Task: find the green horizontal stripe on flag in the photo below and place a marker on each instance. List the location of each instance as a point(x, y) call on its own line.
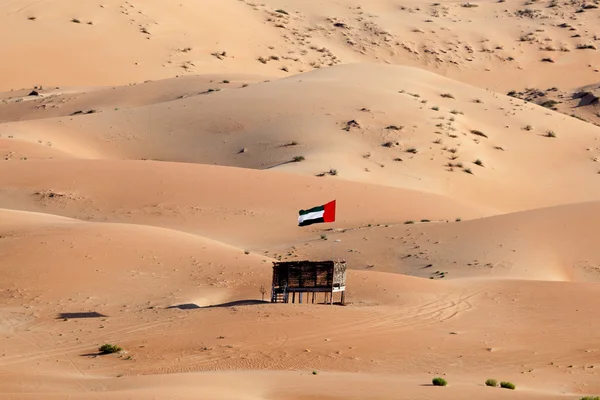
point(314, 209)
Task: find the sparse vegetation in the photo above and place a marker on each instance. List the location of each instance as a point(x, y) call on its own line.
point(528, 127)
point(439, 381)
point(412, 150)
point(394, 127)
point(586, 47)
point(508, 385)
point(468, 171)
point(333, 171)
point(76, 21)
point(550, 134)
point(299, 158)
point(447, 95)
point(491, 382)
point(549, 103)
point(478, 133)
point(32, 18)
point(109, 349)
point(547, 59)
point(590, 398)
point(409, 222)
point(478, 162)
point(435, 108)
point(323, 237)
point(280, 11)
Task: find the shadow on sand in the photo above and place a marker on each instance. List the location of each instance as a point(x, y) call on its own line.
point(192, 306)
point(77, 315)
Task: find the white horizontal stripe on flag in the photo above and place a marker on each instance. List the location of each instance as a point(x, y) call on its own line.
point(312, 215)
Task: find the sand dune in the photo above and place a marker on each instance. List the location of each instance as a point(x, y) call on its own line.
point(237, 206)
point(154, 156)
point(555, 243)
point(407, 134)
point(491, 44)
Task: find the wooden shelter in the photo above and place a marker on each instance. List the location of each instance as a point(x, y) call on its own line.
point(310, 277)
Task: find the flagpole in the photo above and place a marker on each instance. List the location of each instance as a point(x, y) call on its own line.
point(333, 250)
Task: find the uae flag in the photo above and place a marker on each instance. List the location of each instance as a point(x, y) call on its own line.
point(319, 214)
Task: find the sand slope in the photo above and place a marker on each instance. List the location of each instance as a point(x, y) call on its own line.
point(406, 135)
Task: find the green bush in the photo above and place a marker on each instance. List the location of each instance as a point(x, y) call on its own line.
point(439, 381)
point(590, 398)
point(491, 382)
point(109, 348)
point(507, 385)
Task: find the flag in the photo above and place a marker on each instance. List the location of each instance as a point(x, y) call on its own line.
point(315, 215)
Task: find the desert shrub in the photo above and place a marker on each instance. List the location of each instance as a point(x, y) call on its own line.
point(394, 127)
point(280, 11)
point(435, 108)
point(76, 21)
point(412, 150)
point(491, 382)
point(323, 237)
point(549, 104)
point(299, 158)
point(590, 398)
point(508, 385)
point(468, 171)
point(333, 171)
point(409, 222)
point(478, 133)
point(109, 348)
point(478, 162)
point(550, 134)
point(447, 95)
point(439, 381)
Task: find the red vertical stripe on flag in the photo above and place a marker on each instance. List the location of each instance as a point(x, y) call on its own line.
point(329, 213)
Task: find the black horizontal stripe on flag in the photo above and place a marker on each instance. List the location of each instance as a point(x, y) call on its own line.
point(311, 221)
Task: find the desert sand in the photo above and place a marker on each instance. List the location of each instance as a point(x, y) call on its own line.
point(155, 155)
